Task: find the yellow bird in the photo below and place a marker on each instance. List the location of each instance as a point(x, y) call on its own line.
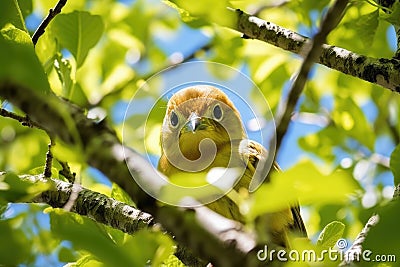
point(200, 113)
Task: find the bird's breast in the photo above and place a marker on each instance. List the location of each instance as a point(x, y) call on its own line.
point(201, 152)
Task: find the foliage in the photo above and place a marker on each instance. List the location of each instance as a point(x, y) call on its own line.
point(97, 54)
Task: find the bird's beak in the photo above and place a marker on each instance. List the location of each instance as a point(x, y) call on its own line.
point(196, 123)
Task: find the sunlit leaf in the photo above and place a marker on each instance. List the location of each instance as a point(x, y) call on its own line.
point(40, 170)
point(383, 238)
point(13, 34)
point(186, 17)
point(87, 260)
point(217, 14)
point(393, 17)
point(306, 7)
point(349, 116)
point(330, 234)
point(78, 32)
point(10, 12)
point(26, 7)
point(16, 249)
point(85, 234)
point(303, 183)
point(15, 189)
point(19, 62)
point(322, 142)
point(63, 69)
point(68, 153)
point(366, 26)
point(149, 247)
point(118, 194)
point(66, 255)
point(172, 261)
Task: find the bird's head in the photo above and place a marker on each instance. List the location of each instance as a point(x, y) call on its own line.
point(198, 113)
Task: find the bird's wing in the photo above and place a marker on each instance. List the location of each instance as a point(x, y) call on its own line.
point(253, 154)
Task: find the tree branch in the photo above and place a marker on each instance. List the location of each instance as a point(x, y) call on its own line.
point(329, 22)
point(42, 27)
point(102, 209)
point(129, 220)
point(381, 71)
point(94, 205)
point(353, 254)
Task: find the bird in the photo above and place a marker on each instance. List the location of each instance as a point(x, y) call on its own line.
point(201, 130)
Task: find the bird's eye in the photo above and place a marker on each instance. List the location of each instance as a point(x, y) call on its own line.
point(174, 119)
point(217, 112)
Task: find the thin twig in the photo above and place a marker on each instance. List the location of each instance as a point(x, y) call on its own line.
point(49, 159)
point(24, 120)
point(66, 172)
point(329, 22)
point(52, 13)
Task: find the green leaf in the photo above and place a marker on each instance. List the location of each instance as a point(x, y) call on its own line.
point(330, 234)
point(11, 13)
point(395, 164)
point(84, 233)
point(69, 153)
point(87, 235)
point(26, 7)
point(13, 34)
point(15, 246)
point(78, 32)
point(148, 246)
point(322, 142)
point(304, 8)
point(394, 16)
point(383, 238)
point(186, 17)
point(172, 261)
point(70, 89)
point(303, 183)
point(193, 10)
point(66, 255)
point(15, 189)
point(19, 63)
point(349, 116)
point(86, 260)
point(366, 26)
point(63, 69)
point(119, 194)
point(78, 96)
point(40, 170)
